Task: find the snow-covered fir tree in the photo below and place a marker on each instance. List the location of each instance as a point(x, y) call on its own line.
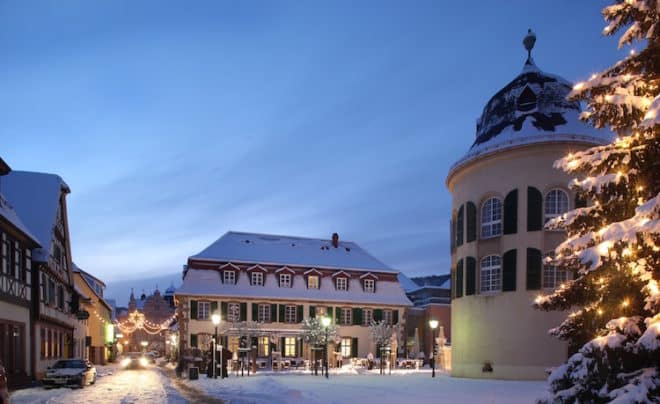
point(314, 332)
point(613, 244)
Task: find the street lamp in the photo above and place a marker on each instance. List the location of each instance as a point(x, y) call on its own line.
point(433, 324)
point(144, 346)
point(326, 323)
point(216, 320)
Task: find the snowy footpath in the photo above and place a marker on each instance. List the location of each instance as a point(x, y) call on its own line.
point(367, 388)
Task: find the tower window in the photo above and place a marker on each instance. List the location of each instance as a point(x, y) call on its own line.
point(491, 274)
point(527, 100)
point(491, 218)
point(556, 203)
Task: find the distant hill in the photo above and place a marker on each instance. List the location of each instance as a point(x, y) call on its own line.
point(121, 290)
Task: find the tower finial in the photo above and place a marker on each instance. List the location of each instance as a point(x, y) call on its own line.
point(528, 42)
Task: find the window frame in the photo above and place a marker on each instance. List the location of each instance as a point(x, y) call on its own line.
point(367, 318)
point(203, 315)
point(490, 274)
point(289, 280)
point(369, 289)
point(346, 316)
point(263, 313)
point(552, 207)
point(554, 271)
point(290, 314)
point(344, 283)
point(263, 346)
point(229, 280)
point(491, 225)
point(233, 312)
point(259, 275)
point(388, 317)
point(289, 350)
point(346, 347)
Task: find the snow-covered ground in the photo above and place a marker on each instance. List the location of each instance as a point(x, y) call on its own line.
point(400, 387)
point(112, 386)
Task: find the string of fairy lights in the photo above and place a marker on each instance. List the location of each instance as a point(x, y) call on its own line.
point(137, 321)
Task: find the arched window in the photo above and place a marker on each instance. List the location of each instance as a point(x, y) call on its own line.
point(491, 271)
point(555, 204)
point(553, 276)
point(491, 218)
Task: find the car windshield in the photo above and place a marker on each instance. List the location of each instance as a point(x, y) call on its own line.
point(69, 365)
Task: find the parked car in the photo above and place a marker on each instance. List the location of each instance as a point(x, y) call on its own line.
point(70, 372)
point(134, 360)
point(4, 393)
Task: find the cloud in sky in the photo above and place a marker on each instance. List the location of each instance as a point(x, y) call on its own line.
point(174, 124)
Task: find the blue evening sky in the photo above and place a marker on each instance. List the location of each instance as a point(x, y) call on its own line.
point(174, 122)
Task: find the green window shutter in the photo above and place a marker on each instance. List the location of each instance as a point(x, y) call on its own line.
point(471, 213)
point(193, 309)
point(580, 202)
point(282, 308)
point(193, 340)
point(214, 307)
point(223, 311)
point(459, 278)
point(255, 342)
point(511, 213)
point(273, 313)
point(534, 209)
point(312, 311)
point(329, 312)
point(459, 227)
point(357, 316)
point(378, 314)
point(243, 311)
point(354, 347)
point(299, 313)
point(395, 316)
point(470, 276)
point(509, 271)
point(255, 311)
point(452, 235)
point(534, 267)
point(282, 345)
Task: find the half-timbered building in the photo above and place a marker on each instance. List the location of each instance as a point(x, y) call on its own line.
point(276, 282)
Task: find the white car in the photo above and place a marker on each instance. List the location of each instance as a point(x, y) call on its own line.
point(70, 372)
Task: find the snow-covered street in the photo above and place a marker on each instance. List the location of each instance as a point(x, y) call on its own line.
point(113, 386)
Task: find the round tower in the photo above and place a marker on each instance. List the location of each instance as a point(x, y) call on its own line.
point(503, 191)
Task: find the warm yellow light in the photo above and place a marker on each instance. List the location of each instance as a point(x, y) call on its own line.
point(593, 76)
point(572, 164)
point(325, 321)
point(601, 280)
point(604, 248)
point(640, 188)
point(433, 324)
point(600, 312)
point(579, 86)
point(625, 303)
point(632, 52)
point(602, 231)
point(619, 174)
point(626, 252)
point(538, 299)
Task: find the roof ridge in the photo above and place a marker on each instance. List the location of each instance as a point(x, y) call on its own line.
point(284, 236)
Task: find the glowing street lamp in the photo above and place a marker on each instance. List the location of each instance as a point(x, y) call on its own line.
point(433, 324)
point(325, 321)
point(215, 318)
point(144, 345)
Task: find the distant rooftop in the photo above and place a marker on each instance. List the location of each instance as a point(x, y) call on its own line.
point(288, 250)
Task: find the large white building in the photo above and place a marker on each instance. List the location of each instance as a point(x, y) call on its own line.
point(503, 191)
point(278, 281)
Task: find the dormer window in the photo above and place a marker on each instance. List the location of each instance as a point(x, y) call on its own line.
point(369, 285)
point(341, 283)
point(285, 280)
point(312, 282)
point(527, 100)
point(229, 277)
point(257, 278)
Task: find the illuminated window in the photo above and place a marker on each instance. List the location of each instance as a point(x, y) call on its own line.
point(264, 346)
point(229, 277)
point(342, 283)
point(491, 269)
point(290, 346)
point(346, 347)
point(312, 282)
point(555, 204)
point(491, 218)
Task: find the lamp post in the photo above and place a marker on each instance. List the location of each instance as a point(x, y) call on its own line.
point(144, 346)
point(433, 324)
point(326, 323)
point(216, 320)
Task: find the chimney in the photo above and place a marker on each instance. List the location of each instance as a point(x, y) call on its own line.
point(335, 240)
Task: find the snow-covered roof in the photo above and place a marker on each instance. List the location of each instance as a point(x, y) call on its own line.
point(204, 282)
point(532, 108)
point(8, 212)
point(35, 197)
point(288, 250)
point(406, 283)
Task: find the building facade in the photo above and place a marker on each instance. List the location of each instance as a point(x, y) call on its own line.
point(16, 244)
point(503, 191)
point(40, 200)
point(157, 311)
point(276, 282)
point(96, 317)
